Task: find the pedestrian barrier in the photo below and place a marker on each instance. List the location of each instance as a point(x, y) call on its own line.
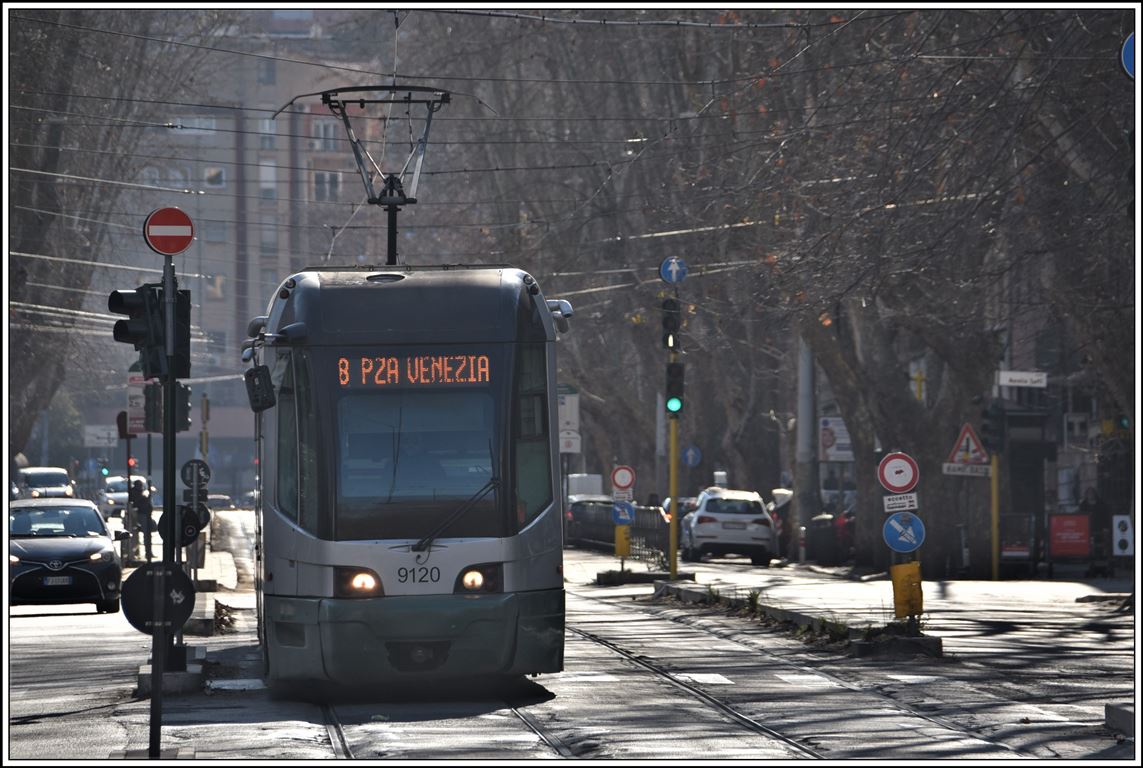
point(650, 534)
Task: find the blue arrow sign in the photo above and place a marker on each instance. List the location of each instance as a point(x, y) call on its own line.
point(692, 456)
point(1128, 55)
point(903, 532)
point(673, 270)
point(623, 513)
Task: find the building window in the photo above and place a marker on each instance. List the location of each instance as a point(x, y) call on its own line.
point(214, 177)
point(327, 185)
point(215, 231)
point(325, 135)
point(268, 133)
point(267, 72)
point(267, 181)
point(268, 242)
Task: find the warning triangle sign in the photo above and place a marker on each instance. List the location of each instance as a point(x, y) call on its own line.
point(968, 449)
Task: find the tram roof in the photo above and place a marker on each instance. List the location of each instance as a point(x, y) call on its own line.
point(402, 304)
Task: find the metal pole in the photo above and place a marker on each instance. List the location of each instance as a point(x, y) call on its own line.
point(391, 260)
point(805, 480)
point(995, 516)
point(673, 482)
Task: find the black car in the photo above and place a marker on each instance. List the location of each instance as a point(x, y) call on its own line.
point(60, 551)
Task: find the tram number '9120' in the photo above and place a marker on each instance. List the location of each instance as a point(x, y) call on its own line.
point(419, 575)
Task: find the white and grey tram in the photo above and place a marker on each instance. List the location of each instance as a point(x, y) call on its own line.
point(409, 523)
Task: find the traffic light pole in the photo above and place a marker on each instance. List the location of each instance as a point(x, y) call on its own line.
point(673, 482)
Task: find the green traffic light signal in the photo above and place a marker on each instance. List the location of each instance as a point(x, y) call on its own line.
point(104, 471)
point(674, 401)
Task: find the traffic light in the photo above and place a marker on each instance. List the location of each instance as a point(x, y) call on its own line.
point(153, 407)
point(144, 326)
point(674, 388)
point(132, 463)
point(671, 324)
point(105, 470)
point(992, 427)
point(1122, 422)
point(182, 334)
point(182, 407)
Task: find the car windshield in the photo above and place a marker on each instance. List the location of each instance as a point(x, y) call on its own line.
point(734, 506)
point(43, 478)
point(116, 486)
point(61, 520)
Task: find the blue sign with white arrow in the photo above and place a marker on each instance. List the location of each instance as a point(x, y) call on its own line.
point(903, 532)
point(692, 456)
point(1127, 55)
point(623, 513)
point(673, 270)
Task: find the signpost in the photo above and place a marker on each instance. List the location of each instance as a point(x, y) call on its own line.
point(903, 532)
point(622, 483)
point(967, 456)
point(692, 456)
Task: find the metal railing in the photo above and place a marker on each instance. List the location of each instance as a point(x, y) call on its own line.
point(594, 527)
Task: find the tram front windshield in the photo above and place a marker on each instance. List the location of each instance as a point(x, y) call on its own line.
point(409, 455)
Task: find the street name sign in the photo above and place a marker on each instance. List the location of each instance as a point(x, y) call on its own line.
point(1022, 379)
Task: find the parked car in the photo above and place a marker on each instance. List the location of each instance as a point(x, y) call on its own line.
point(220, 501)
point(581, 511)
point(112, 498)
point(46, 482)
point(61, 551)
point(726, 522)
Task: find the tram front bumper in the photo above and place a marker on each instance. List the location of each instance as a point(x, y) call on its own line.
point(355, 641)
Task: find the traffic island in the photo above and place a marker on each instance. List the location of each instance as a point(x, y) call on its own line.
point(893, 640)
point(615, 578)
point(182, 681)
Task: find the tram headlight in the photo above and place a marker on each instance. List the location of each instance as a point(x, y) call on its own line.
point(356, 582)
point(486, 577)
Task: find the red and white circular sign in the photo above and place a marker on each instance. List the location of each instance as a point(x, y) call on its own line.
point(898, 473)
point(622, 477)
point(168, 231)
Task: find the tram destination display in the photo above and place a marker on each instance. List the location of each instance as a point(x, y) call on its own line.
point(369, 371)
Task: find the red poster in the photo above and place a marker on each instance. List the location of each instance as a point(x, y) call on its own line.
point(1070, 535)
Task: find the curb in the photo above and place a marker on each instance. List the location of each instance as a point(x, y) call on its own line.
point(1120, 717)
point(175, 682)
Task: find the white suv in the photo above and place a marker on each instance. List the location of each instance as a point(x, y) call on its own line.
point(726, 522)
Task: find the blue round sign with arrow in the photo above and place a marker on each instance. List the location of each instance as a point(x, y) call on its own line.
point(1128, 55)
point(673, 270)
point(903, 532)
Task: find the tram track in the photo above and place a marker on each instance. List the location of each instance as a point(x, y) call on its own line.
point(733, 636)
point(722, 707)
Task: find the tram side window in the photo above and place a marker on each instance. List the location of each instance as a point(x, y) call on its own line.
point(531, 444)
point(307, 442)
point(287, 490)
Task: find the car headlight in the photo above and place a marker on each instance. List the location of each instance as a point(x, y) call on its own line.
point(69, 491)
point(13, 559)
point(103, 557)
point(35, 494)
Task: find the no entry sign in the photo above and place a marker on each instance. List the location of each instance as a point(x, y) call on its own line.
point(168, 231)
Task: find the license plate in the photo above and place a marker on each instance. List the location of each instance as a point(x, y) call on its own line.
point(734, 526)
point(57, 581)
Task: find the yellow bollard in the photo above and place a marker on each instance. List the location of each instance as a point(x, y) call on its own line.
point(907, 598)
point(623, 541)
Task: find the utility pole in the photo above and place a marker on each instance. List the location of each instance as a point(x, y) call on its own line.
point(807, 496)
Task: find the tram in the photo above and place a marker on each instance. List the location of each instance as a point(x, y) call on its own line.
point(409, 520)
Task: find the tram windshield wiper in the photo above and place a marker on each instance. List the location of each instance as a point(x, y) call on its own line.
point(423, 544)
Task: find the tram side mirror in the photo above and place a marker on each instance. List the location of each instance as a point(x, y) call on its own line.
point(259, 388)
point(561, 312)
